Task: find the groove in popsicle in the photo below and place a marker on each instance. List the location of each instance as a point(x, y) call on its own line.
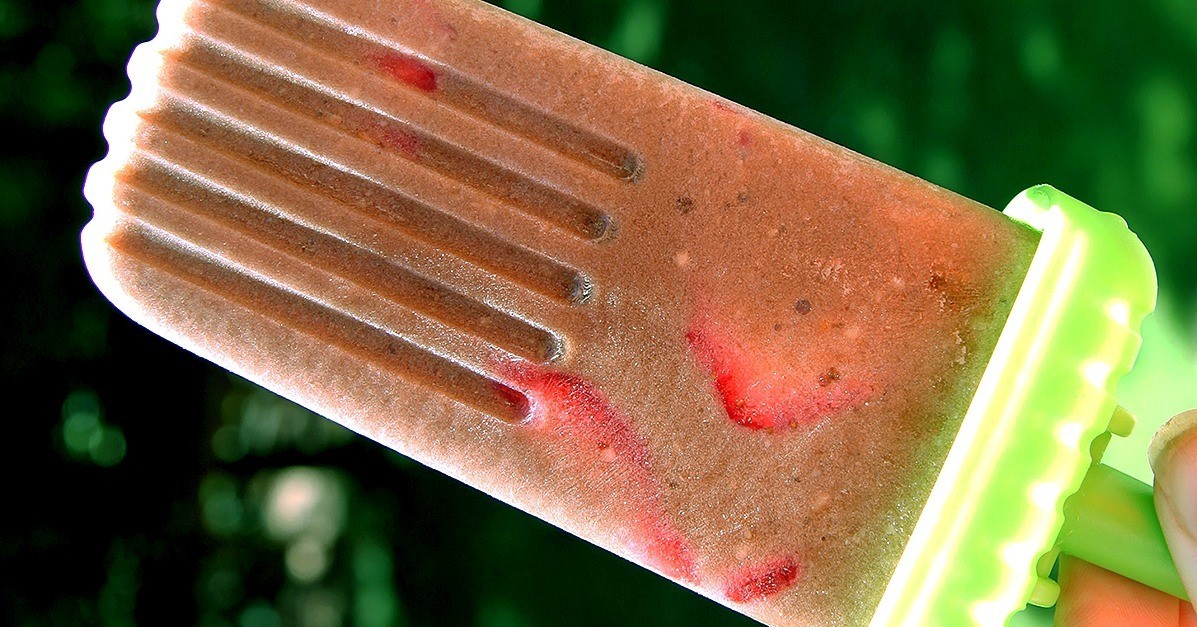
point(415, 217)
point(448, 85)
point(327, 325)
point(224, 62)
point(187, 193)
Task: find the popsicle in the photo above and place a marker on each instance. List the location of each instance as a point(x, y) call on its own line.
point(711, 343)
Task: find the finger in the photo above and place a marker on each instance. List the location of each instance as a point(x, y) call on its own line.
point(1094, 597)
point(1174, 459)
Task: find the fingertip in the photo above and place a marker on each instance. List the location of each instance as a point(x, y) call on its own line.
point(1180, 427)
point(1173, 457)
point(1094, 597)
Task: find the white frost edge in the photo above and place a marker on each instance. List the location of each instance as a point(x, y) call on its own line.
point(120, 132)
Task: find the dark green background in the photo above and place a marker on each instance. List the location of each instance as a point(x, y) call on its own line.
point(141, 484)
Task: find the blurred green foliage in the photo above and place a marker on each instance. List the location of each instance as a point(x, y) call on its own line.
point(147, 487)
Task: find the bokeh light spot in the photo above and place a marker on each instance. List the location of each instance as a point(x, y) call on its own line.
point(77, 432)
point(375, 601)
point(89, 327)
point(306, 560)
point(220, 504)
point(304, 501)
point(14, 19)
point(639, 31)
point(80, 421)
point(1166, 118)
point(224, 587)
point(1041, 57)
point(879, 130)
point(320, 608)
point(942, 167)
point(499, 612)
point(527, 8)
point(260, 614)
point(107, 446)
point(227, 444)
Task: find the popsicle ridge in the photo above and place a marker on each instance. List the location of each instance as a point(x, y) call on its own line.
point(183, 260)
point(203, 230)
point(174, 199)
point(353, 185)
point(449, 86)
point(228, 47)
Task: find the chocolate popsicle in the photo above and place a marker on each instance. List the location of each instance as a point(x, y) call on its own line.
point(714, 344)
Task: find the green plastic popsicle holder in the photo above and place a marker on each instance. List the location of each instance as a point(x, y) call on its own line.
point(1022, 482)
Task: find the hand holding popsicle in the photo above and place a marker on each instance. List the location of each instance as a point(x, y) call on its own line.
point(1093, 597)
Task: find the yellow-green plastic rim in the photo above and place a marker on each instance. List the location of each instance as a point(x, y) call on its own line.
point(1048, 391)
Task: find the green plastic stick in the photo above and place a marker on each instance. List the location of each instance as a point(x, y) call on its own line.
point(1111, 522)
point(987, 537)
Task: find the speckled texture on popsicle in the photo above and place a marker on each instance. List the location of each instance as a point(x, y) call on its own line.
point(714, 344)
